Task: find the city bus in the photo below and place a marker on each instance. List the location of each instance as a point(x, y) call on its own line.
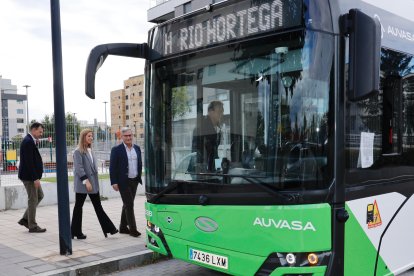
point(313, 171)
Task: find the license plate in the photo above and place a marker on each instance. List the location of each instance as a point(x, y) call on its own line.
point(209, 258)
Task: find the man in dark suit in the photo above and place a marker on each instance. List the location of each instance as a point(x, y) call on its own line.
point(207, 137)
point(125, 172)
point(30, 173)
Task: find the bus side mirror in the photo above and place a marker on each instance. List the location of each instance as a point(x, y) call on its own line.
point(98, 55)
point(364, 54)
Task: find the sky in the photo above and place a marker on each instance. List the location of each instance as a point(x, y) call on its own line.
point(26, 50)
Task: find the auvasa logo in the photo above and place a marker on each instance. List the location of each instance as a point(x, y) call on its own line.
point(295, 225)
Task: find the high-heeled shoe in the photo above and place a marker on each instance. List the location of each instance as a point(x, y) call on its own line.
point(113, 232)
point(79, 237)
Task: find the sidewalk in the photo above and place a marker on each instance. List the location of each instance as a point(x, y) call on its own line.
point(24, 253)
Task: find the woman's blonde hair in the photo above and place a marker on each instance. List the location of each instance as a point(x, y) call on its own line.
point(82, 146)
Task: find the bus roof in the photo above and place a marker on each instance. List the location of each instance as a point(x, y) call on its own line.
point(396, 17)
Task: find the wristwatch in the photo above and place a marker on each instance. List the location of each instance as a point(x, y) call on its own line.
point(84, 181)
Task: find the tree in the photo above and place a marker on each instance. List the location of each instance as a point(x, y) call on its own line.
point(72, 128)
point(392, 64)
point(179, 100)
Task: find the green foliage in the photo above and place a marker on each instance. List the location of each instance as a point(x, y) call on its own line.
point(72, 128)
point(17, 139)
point(180, 105)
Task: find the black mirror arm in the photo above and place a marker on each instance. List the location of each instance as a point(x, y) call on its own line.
point(98, 55)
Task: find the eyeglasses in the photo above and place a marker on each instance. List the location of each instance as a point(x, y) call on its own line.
point(127, 135)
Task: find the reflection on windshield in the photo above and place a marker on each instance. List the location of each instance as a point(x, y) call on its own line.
point(249, 111)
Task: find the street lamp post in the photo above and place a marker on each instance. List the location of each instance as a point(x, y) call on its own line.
point(27, 107)
point(106, 128)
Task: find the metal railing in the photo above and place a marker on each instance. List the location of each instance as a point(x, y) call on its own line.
point(10, 152)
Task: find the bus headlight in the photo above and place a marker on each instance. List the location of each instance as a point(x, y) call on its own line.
point(304, 258)
point(313, 258)
point(294, 259)
point(153, 228)
point(291, 258)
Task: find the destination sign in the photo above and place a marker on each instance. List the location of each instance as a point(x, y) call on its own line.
point(232, 22)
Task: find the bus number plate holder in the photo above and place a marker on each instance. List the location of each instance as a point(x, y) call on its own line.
point(208, 258)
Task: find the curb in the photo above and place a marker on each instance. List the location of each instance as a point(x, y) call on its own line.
point(108, 265)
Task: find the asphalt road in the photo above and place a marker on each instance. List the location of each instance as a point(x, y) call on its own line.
point(169, 267)
point(179, 268)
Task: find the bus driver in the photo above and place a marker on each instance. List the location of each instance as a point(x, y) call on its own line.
point(206, 139)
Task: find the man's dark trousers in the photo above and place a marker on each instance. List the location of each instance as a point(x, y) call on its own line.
point(128, 197)
point(34, 196)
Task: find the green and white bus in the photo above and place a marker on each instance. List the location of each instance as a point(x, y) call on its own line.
point(314, 170)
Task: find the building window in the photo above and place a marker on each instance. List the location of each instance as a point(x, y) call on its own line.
point(20, 111)
point(187, 7)
point(127, 117)
point(141, 135)
point(119, 117)
point(126, 107)
point(141, 125)
point(126, 97)
point(20, 130)
point(140, 94)
point(20, 121)
point(140, 104)
point(141, 114)
point(19, 101)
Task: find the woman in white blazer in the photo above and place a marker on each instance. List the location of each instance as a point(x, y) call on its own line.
point(86, 182)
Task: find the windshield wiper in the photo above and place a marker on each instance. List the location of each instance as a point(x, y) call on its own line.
point(171, 187)
point(291, 197)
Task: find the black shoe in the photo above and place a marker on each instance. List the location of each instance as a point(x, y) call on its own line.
point(79, 237)
point(124, 231)
point(135, 234)
point(37, 229)
point(113, 232)
point(24, 223)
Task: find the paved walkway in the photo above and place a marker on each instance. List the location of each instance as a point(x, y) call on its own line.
point(24, 253)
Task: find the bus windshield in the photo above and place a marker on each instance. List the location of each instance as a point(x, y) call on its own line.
point(243, 116)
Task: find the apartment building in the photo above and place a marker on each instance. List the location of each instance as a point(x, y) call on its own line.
point(13, 111)
point(127, 107)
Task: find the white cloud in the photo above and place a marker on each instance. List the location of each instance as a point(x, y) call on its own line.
point(26, 50)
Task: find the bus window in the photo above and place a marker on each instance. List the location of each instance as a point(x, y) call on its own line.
point(391, 106)
point(388, 119)
point(273, 118)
